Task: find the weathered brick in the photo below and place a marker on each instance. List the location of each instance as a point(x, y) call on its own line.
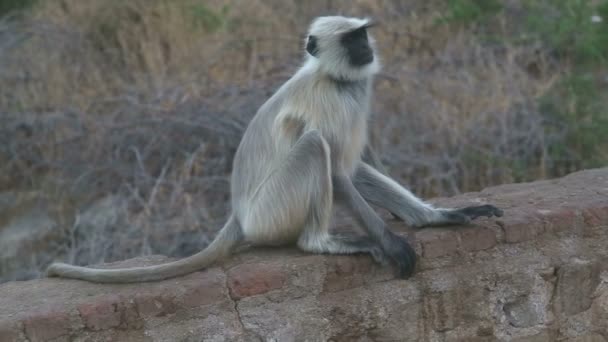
point(477, 238)
point(104, 313)
point(438, 242)
point(576, 283)
point(155, 305)
point(207, 288)
point(9, 331)
point(130, 316)
point(522, 312)
point(346, 271)
point(455, 306)
point(592, 337)
point(543, 336)
point(253, 279)
point(595, 217)
point(47, 325)
point(443, 310)
point(600, 310)
point(561, 219)
point(523, 227)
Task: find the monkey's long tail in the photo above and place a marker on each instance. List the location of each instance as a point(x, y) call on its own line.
point(224, 243)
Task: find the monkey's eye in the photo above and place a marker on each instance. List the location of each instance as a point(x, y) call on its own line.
point(311, 46)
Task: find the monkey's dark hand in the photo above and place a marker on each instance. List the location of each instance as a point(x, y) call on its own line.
point(400, 252)
point(467, 214)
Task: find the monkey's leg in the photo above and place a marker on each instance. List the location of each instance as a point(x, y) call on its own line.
point(371, 157)
point(395, 247)
point(296, 189)
point(309, 164)
point(382, 191)
point(295, 203)
point(313, 239)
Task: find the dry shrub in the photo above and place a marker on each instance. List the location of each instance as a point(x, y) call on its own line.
point(144, 101)
point(465, 119)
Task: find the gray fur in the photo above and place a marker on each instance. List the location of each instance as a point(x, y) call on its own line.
point(384, 192)
point(301, 152)
point(225, 241)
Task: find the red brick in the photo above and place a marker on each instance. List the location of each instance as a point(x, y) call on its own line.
point(47, 325)
point(208, 288)
point(595, 217)
point(130, 316)
point(104, 313)
point(348, 264)
point(437, 242)
point(155, 305)
point(561, 219)
point(477, 238)
point(346, 271)
point(521, 228)
point(9, 331)
point(253, 279)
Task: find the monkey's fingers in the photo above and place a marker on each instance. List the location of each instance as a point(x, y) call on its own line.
point(379, 256)
point(487, 210)
point(404, 256)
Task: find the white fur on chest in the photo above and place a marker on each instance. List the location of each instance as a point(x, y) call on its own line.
point(339, 111)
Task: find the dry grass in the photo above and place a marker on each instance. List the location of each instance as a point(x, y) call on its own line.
point(146, 100)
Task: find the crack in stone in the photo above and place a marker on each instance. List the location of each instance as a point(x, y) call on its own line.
point(234, 303)
point(22, 331)
point(238, 314)
point(502, 232)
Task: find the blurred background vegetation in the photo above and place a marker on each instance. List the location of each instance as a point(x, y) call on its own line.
point(119, 119)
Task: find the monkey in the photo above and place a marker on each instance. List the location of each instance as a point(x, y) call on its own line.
point(302, 153)
point(371, 157)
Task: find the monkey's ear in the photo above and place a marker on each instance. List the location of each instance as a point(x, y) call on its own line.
point(371, 23)
point(312, 47)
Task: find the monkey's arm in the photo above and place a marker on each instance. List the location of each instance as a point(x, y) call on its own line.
point(384, 192)
point(371, 157)
point(394, 246)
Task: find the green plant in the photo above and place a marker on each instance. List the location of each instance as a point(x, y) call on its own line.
point(469, 11)
point(572, 28)
point(207, 18)
point(575, 32)
point(576, 107)
point(9, 6)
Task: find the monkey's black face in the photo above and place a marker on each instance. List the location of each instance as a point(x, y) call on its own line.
point(357, 47)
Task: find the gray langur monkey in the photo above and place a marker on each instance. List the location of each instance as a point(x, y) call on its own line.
point(301, 152)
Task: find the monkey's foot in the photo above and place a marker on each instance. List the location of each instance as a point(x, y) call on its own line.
point(467, 214)
point(487, 210)
point(401, 253)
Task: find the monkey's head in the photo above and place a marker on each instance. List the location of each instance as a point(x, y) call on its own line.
point(342, 47)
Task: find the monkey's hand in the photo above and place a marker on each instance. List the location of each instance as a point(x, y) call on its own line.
point(467, 214)
point(400, 252)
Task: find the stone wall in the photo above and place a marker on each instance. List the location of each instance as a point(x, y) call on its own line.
point(537, 274)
